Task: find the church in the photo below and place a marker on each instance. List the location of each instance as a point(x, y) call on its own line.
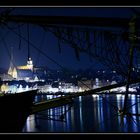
point(24, 72)
point(27, 72)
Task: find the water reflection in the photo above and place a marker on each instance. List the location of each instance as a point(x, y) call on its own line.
point(80, 113)
point(90, 114)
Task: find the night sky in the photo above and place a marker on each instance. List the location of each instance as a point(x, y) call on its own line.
point(46, 41)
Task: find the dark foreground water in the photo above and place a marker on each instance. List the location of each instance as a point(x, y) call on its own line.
point(90, 114)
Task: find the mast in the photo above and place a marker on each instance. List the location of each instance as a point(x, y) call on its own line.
point(29, 60)
point(132, 43)
point(28, 42)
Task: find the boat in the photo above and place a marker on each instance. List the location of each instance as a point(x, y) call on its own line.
point(14, 110)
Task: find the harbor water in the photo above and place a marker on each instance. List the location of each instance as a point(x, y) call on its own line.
point(88, 114)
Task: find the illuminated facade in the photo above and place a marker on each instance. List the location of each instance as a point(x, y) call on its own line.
point(4, 87)
point(13, 72)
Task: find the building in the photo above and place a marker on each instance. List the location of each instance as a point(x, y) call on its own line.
point(24, 72)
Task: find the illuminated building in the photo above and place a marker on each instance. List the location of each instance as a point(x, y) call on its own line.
point(4, 87)
point(21, 72)
point(25, 72)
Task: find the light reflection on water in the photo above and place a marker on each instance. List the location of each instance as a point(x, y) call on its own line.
point(89, 114)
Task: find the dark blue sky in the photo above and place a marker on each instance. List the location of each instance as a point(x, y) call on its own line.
point(46, 40)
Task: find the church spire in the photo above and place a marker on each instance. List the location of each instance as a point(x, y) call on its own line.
point(12, 70)
point(11, 67)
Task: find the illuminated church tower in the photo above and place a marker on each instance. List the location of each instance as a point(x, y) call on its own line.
point(12, 70)
point(30, 64)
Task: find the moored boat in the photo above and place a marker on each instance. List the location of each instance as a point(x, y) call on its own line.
point(14, 110)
